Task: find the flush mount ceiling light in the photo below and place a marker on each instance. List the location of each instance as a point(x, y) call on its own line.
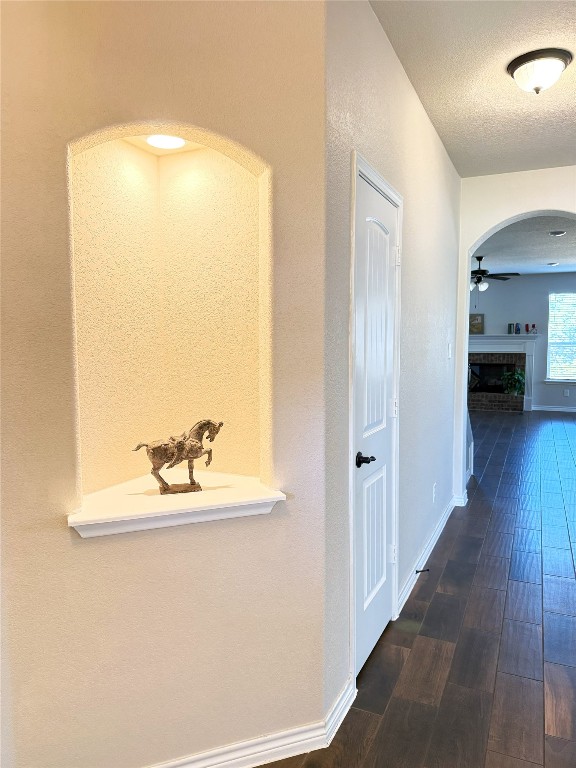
point(165, 142)
point(557, 232)
point(538, 70)
point(553, 263)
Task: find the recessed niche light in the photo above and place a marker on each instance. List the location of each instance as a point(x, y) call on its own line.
point(553, 263)
point(557, 232)
point(165, 142)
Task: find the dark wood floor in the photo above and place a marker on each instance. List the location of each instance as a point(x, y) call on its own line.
point(479, 671)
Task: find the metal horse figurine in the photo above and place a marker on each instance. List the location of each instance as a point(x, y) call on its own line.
point(187, 446)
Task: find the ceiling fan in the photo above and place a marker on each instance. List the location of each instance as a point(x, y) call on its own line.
point(479, 276)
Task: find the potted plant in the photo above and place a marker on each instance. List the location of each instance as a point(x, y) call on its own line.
point(514, 382)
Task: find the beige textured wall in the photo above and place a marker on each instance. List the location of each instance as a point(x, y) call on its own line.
point(209, 234)
point(166, 286)
point(135, 649)
point(372, 107)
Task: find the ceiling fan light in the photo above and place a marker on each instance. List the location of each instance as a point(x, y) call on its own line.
point(538, 70)
point(472, 285)
point(483, 286)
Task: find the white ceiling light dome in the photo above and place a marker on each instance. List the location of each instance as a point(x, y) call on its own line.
point(482, 284)
point(538, 70)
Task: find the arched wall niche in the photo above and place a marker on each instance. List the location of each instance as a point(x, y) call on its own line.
point(241, 155)
point(171, 261)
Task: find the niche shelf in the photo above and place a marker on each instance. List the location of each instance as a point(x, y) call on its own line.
point(137, 505)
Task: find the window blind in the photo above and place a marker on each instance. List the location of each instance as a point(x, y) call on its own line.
point(562, 336)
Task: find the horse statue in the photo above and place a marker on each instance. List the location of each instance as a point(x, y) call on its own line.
point(187, 446)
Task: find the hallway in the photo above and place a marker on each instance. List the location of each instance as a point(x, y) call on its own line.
point(479, 671)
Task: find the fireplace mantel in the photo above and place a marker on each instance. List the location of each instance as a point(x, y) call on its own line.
point(509, 342)
point(519, 343)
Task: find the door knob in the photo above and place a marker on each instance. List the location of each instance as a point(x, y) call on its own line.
point(363, 459)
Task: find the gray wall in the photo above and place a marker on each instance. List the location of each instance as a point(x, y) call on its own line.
point(525, 300)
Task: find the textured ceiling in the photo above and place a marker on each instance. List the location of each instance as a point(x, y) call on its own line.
point(526, 247)
point(456, 53)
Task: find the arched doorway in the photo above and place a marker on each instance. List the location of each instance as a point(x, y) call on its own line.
point(475, 232)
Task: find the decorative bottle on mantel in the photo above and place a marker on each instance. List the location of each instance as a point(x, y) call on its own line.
point(527, 328)
point(517, 329)
point(534, 331)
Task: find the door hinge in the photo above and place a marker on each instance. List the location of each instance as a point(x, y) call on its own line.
point(393, 553)
point(394, 408)
point(398, 256)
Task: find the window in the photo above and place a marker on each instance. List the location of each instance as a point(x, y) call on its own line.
point(562, 336)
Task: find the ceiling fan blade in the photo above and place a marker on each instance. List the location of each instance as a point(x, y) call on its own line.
point(496, 277)
point(507, 274)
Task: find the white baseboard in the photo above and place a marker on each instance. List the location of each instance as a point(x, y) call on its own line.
point(274, 746)
point(421, 561)
point(566, 409)
point(340, 709)
point(470, 470)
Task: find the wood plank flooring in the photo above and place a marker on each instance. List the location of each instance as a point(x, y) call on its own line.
point(479, 671)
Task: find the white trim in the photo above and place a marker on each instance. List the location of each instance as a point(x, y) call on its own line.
point(512, 343)
point(569, 409)
point(559, 381)
point(470, 469)
point(351, 344)
point(361, 166)
point(340, 708)
point(274, 746)
point(507, 336)
point(455, 501)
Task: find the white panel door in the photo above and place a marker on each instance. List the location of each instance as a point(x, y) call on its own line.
point(374, 413)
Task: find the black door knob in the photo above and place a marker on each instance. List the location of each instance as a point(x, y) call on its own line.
point(363, 459)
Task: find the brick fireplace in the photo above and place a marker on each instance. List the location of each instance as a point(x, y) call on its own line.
point(502, 350)
point(485, 387)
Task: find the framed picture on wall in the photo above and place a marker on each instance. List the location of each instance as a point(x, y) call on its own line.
point(476, 325)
